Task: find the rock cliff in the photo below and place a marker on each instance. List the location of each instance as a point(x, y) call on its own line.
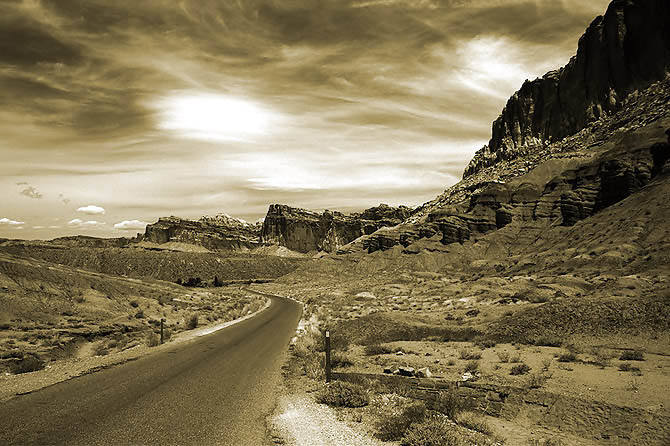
point(625, 50)
point(220, 232)
point(304, 231)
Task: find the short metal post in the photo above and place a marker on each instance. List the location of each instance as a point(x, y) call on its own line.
point(327, 356)
point(162, 320)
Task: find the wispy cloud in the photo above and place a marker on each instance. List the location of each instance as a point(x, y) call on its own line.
point(10, 222)
point(128, 225)
point(91, 209)
point(210, 106)
point(79, 223)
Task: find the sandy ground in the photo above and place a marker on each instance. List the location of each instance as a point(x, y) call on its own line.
point(299, 421)
point(58, 371)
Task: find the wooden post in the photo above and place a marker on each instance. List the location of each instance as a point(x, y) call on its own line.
point(327, 356)
point(162, 320)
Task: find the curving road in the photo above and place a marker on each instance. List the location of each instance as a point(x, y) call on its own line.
point(214, 390)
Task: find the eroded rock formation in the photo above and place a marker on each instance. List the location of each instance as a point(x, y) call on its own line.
point(625, 50)
point(221, 232)
point(304, 231)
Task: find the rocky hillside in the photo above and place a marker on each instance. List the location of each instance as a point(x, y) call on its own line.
point(621, 52)
point(304, 231)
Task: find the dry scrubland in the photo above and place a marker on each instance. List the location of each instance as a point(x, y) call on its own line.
point(568, 326)
point(51, 312)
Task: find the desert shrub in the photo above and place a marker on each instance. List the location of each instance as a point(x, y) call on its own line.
point(625, 367)
point(503, 356)
point(377, 349)
point(536, 380)
point(471, 366)
point(467, 354)
point(515, 358)
point(340, 360)
point(545, 442)
point(343, 394)
point(134, 304)
point(548, 341)
point(519, 369)
point(485, 343)
point(433, 432)
point(450, 403)
point(152, 339)
point(139, 314)
point(29, 363)
point(567, 357)
point(632, 355)
point(100, 350)
point(394, 426)
point(475, 422)
point(191, 321)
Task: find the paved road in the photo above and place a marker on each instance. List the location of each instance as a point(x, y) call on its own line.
point(215, 390)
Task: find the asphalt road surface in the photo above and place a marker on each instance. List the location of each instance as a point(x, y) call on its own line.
point(214, 390)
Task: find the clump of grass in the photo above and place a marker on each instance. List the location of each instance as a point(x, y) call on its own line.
point(548, 341)
point(467, 354)
point(475, 422)
point(519, 369)
point(536, 381)
point(152, 339)
point(191, 321)
point(432, 432)
point(100, 350)
point(29, 363)
point(514, 359)
point(471, 366)
point(485, 343)
point(632, 355)
point(546, 364)
point(503, 356)
point(377, 349)
point(340, 360)
point(393, 427)
point(450, 403)
point(567, 357)
point(343, 394)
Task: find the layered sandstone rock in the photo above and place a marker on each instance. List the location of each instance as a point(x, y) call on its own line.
point(625, 50)
point(304, 231)
point(572, 195)
point(220, 232)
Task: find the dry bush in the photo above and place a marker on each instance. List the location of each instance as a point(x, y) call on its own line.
point(536, 381)
point(340, 360)
point(377, 349)
point(567, 357)
point(450, 403)
point(471, 366)
point(467, 354)
point(433, 432)
point(191, 321)
point(519, 369)
point(503, 356)
point(343, 394)
point(475, 422)
point(394, 426)
point(152, 339)
point(632, 355)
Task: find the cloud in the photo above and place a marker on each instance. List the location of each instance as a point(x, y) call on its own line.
point(79, 223)
point(128, 225)
point(10, 222)
point(31, 192)
point(91, 209)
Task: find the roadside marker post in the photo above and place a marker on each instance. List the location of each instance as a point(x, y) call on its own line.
point(327, 356)
point(162, 321)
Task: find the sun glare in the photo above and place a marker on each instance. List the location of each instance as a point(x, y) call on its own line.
point(213, 117)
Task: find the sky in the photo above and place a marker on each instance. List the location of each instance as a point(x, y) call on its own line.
point(113, 114)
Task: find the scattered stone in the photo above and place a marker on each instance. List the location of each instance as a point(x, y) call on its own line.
point(406, 371)
point(423, 373)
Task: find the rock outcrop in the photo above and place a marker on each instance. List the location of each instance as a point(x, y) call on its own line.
point(220, 232)
point(304, 231)
point(625, 50)
point(572, 195)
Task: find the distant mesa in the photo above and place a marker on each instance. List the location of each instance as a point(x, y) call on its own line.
point(296, 229)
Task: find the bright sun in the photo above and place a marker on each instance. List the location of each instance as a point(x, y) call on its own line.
point(212, 116)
